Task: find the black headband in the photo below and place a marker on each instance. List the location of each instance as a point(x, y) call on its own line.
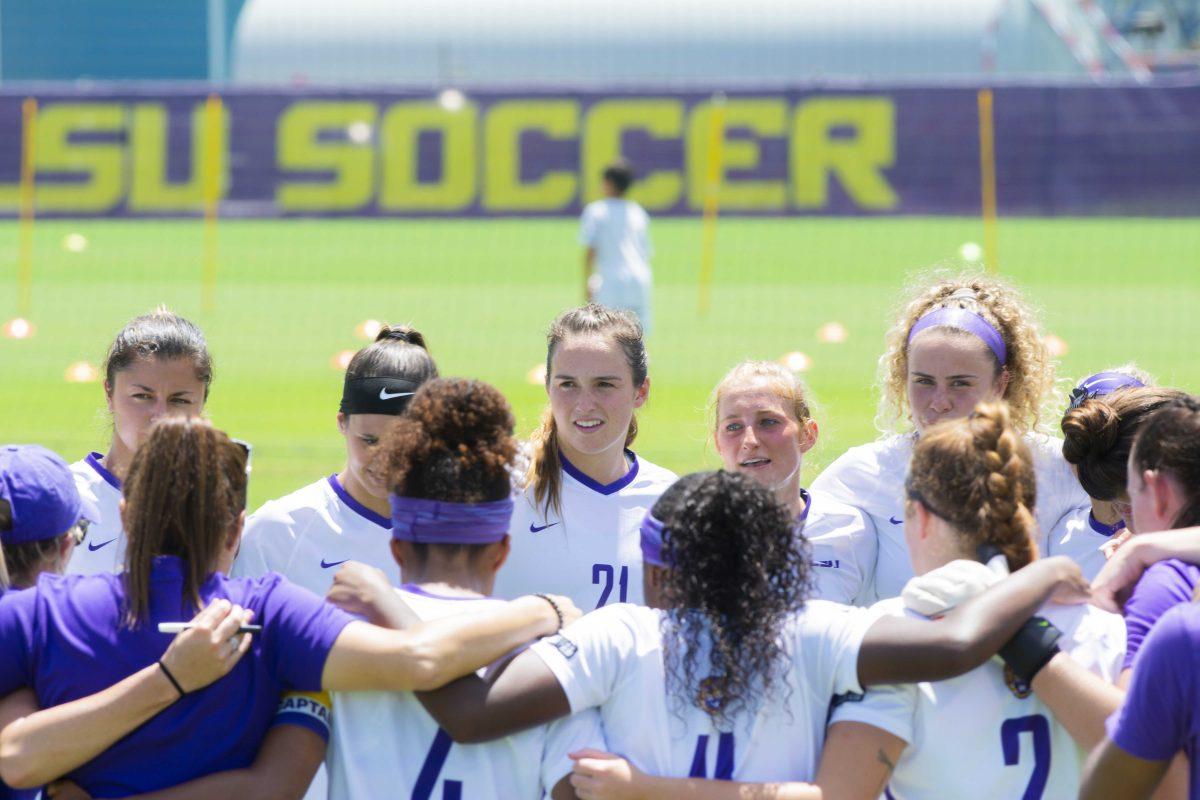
point(377, 395)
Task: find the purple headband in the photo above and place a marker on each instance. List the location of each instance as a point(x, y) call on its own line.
point(652, 541)
point(963, 320)
point(437, 522)
point(1101, 384)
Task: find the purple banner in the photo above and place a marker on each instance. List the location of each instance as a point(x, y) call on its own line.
point(1060, 150)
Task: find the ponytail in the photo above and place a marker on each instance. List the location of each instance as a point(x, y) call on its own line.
point(545, 468)
point(977, 474)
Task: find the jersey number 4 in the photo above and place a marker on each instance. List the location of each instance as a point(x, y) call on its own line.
point(724, 770)
point(1037, 727)
point(432, 768)
point(604, 575)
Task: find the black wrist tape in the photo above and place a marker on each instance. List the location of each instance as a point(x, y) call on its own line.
point(1031, 648)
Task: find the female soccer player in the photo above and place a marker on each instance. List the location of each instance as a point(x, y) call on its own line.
point(305, 535)
point(448, 459)
point(575, 530)
point(158, 366)
point(762, 427)
point(957, 342)
point(733, 676)
point(1098, 435)
point(971, 489)
point(73, 636)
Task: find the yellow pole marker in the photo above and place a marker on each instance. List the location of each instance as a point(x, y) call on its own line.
point(213, 119)
point(29, 110)
point(712, 196)
point(987, 180)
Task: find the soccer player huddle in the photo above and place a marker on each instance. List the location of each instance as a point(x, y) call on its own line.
point(967, 607)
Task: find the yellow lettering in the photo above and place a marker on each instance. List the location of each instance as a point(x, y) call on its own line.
point(100, 163)
point(602, 129)
point(402, 125)
point(503, 189)
point(351, 162)
point(858, 162)
point(149, 189)
point(764, 117)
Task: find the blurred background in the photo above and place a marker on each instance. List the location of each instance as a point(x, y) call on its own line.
point(291, 173)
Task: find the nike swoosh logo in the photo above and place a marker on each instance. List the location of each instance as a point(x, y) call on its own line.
point(327, 564)
point(535, 529)
point(895, 521)
point(384, 394)
point(94, 547)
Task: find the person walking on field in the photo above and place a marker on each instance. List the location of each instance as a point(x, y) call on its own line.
point(616, 234)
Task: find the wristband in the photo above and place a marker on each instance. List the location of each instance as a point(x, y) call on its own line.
point(1031, 648)
point(557, 611)
point(171, 678)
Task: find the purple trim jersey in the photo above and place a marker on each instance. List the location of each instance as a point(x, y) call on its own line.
point(1159, 717)
point(67, 638)
point(1164, 586)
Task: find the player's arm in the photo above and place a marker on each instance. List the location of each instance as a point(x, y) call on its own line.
point(604, 776)
point(1079, 699)
point(589, 266)
point(523, 694)
point(1113, 774)
point(37, 746)
point(1124, 568)
point(857, 761)
point(905, 650)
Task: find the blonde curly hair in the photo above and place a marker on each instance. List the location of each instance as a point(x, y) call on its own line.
point(1031, 388)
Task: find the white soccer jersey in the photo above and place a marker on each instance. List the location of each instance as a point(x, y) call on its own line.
point(619, 230)
point(1080, 537)
point(104, 548)
point(983, 729)
point(591, 552)
point(613, 659)
point(385, 745)
point(843, 546)
point(871, 477)
point(307, 534)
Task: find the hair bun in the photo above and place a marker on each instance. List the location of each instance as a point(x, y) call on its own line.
point(402, 333)
point(1090, 431)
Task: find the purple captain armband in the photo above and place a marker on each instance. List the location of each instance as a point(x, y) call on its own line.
point(963, 320)
point(438, 522)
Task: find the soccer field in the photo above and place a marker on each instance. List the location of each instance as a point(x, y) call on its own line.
point(291, 292)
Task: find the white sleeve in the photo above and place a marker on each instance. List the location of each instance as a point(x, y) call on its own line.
point(587, 226)
point(646, 244)
point(589, 658)
point(564, 736)
point(263, 542)
point(843, 560)
point(890, 708)
point(827, 640)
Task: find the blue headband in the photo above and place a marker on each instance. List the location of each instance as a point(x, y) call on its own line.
point(652, 541)
point(437, 522)
point(1101, 384)
point(964, 320)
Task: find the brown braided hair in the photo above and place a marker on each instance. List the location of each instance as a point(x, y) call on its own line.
point(977, 474)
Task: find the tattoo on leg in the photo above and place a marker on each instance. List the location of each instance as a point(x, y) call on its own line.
point(887, 762)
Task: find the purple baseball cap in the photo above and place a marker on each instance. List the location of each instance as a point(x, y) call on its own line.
point(40, 491)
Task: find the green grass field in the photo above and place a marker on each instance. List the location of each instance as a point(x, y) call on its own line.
point(290, 294)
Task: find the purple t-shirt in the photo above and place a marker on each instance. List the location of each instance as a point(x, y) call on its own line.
point(1165, 585)
point(1161, 713)
point(66, 638)
point(6, 791)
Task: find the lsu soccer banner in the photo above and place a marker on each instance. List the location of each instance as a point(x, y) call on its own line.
point(814, 150)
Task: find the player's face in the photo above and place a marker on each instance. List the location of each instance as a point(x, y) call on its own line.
point(949, 373)
point(151, 388)
point(592, 395)
point(758, 434)
point(363, 432)
point(1155, 498)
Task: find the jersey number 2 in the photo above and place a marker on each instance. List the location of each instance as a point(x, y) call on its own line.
point(603, 575)
point(432, 768)
point(1038, 727)
point(724, 770)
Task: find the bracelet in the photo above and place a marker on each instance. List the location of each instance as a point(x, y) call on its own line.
point(171, 678)
point(557, 611)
